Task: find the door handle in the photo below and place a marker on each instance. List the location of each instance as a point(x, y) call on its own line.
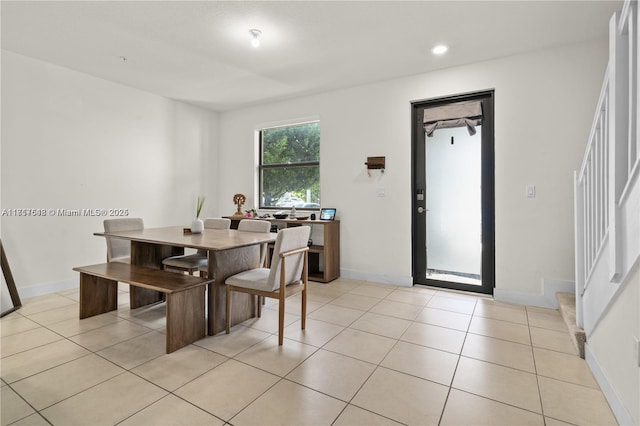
point(421, 210)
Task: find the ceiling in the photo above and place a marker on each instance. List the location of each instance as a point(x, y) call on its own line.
point(199, 51)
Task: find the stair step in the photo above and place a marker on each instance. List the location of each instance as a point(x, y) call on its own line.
point(567, 307)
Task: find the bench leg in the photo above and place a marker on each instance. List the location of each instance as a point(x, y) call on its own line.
point(186, 321)
point(97, 295)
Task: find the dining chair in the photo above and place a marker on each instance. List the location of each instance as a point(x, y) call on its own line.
point(288, 275)
point(119, 250)
point(248, 225)
point(198, 260)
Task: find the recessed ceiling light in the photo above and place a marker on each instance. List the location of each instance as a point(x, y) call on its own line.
point(255, 34)
point(439, 49)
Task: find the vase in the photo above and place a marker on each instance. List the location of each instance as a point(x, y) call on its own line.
point(197, 226)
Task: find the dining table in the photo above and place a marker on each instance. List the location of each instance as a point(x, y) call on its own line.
point(229, 252)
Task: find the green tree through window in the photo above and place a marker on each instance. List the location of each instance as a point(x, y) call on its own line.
point(290, 166)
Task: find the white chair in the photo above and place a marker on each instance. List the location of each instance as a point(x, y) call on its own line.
point(287, 276)
point(217, 223)
point(248, 225)
point(196, 261)
point(119, 250)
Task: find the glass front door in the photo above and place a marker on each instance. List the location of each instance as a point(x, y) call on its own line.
point(453, 203)
point(453, 206)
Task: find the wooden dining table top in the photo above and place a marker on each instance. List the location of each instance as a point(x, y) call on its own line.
point(209, 239)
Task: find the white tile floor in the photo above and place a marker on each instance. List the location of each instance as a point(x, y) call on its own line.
point(371, 355)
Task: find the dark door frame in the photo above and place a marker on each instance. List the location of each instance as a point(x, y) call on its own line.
point(418, 224)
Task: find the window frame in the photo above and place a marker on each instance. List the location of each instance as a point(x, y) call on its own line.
point(262, 167)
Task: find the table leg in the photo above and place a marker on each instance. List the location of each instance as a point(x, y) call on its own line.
point(223, 264)
point(97, 295)
point(148, 255)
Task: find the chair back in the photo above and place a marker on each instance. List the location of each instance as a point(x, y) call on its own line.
point(117, 247)
point(250, 225)
point(288, 239)
point(217, 223)
point(214, 223)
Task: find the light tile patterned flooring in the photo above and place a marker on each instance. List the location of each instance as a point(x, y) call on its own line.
point(371, 355)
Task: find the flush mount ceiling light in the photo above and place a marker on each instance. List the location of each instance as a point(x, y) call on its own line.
point(255, 37)
point(439, 49)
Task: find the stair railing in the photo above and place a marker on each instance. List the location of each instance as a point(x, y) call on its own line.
point(609, 171)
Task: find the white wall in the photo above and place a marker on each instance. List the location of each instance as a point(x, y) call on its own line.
point(72, 141)
point(619, 368)
point(61, 131)
point(544, 106)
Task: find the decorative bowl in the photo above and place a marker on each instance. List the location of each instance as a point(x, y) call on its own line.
point(302, 217)
point(281, 216)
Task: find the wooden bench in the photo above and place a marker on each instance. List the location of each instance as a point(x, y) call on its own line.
point(185, 296)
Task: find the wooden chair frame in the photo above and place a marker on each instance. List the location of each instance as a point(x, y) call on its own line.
point(281, 294)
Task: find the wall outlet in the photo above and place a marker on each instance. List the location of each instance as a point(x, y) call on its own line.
point(380, 192)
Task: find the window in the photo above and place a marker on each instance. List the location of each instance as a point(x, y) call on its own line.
point(290, 166)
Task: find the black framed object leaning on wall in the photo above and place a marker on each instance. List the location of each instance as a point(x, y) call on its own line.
point(9, 299)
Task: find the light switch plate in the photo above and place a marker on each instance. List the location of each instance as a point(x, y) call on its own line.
point(531, 191)
point(380, 192)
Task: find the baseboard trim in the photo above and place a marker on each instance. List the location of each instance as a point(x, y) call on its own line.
point(401, 281)
point(47, 288)
point(545, 300)
point(617, 407)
